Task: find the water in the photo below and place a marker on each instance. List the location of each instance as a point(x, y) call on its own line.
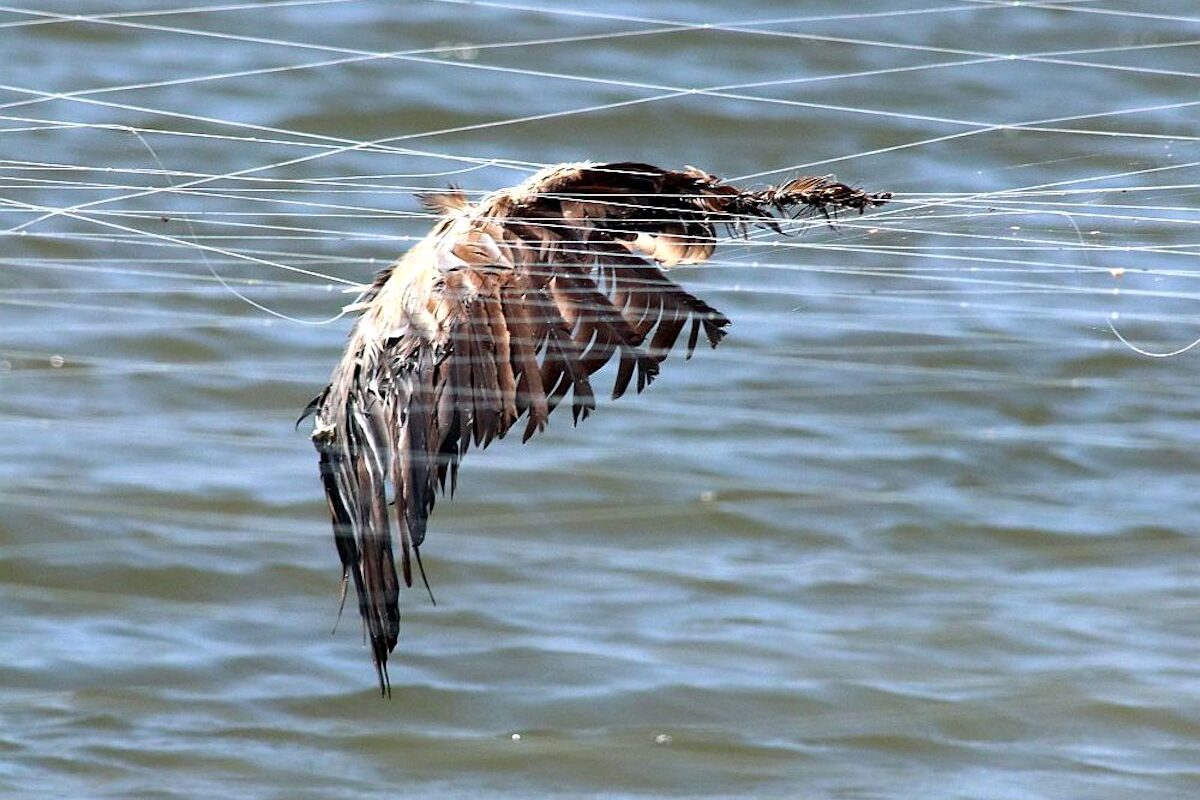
point(912, 531)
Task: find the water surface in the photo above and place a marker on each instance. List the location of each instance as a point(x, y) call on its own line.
point(920, 528)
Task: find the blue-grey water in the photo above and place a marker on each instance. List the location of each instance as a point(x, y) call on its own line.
point(921, 528)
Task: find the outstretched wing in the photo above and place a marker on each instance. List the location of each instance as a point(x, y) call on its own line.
point(502, 313)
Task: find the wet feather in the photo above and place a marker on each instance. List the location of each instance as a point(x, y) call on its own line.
point(509, 305)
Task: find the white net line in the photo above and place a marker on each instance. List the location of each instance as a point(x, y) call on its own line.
point(288, 226)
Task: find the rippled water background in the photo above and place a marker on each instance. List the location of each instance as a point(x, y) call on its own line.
point(921, 528)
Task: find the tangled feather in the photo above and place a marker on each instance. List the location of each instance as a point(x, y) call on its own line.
point(507, 307)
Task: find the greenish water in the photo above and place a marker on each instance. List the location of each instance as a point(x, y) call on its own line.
point(921, 527)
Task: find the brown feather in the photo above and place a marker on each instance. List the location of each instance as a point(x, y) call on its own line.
point(531, 394)
point(506, 382)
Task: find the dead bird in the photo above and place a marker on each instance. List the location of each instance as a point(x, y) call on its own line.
point(506, 307)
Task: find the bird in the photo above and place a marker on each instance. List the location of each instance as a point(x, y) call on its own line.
point(510, 304)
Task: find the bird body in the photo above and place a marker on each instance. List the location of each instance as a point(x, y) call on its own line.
point(508, 306)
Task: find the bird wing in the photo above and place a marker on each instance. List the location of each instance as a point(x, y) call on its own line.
point(505, 310)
